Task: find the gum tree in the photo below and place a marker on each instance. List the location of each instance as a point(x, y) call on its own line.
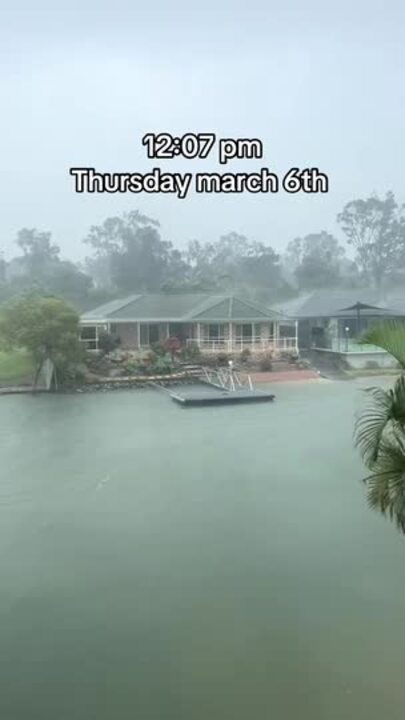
point(376, 230)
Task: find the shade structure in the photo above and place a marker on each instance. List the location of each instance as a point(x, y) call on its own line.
point(359, 307)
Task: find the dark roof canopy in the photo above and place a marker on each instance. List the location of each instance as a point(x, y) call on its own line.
point(362, 306)
point(365, 310)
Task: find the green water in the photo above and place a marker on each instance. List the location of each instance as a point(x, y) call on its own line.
point(199, 564)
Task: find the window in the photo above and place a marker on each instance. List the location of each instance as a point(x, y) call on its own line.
point(88, 336)
point(144, 334)
point(244, 332)
point(215, 332)
point(179, 330)
point(88, 333)
point(149, 334)
point(153, 334)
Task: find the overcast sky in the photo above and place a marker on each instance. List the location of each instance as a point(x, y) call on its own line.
point(81, 82)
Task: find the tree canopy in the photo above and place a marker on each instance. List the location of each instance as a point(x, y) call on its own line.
point(233, 261)
point(316, 260)
point(40, 269)
point(376, 230)
point(47, 327)
point(131, 255)
point(128, 254)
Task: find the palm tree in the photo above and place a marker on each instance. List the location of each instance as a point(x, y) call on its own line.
point(380, 430)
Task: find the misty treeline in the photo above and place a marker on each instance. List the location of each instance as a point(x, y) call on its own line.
point(128, 254)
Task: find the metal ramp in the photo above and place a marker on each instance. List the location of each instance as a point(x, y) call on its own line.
point(226, 379)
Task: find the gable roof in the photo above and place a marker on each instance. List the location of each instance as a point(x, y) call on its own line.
point(106, 310)
point(197, 307)
point(330, 303)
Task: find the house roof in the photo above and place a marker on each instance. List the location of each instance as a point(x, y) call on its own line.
point(181, 308)
point(331, 303)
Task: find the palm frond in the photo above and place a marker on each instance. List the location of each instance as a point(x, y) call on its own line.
point(371, 424)
point(397, 395)
point(386, 484)
point(390, 336)
point(384, 412)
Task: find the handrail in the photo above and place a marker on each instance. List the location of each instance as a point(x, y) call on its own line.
point(225, 379)
point(254, 343)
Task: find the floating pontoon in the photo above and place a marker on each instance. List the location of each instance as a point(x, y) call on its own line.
point(217, 397)
point(220, 387)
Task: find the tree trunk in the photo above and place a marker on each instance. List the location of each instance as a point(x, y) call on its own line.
point(37, 373)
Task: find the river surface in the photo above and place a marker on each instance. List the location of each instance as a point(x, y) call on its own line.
point(162, 563)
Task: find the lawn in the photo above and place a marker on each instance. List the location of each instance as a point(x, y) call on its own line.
point(16, 367)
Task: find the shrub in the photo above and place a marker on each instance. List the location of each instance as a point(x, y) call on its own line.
point(208, 359)
point(245, 355)
point(150, 363)
point(132, 368)
point(158, 348)
point(163, 364)
point(289, 356)
point(141, 363)
point(223, 358)
point(69, 375)
point(107, 343)
point(191, 352)
point(172, 345)
point(149, 358)
point(265, 363)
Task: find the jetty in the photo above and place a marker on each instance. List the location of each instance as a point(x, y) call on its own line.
point(221, 386)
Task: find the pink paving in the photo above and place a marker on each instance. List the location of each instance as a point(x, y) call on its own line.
point(284, 376)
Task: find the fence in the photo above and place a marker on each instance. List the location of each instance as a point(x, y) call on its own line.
point(254, 343)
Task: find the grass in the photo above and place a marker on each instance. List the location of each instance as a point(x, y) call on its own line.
point(16, 367)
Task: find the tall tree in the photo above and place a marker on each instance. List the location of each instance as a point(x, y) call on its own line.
point(132, 252)
point(200, 260)
point(38, 251)
point(39, 268)
point(376, 229)
point(294, 253)
point(315, 260)
point(234, 262)
point(260, 266)
point(65, 279)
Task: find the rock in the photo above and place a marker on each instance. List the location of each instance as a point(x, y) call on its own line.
point(115, 372)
